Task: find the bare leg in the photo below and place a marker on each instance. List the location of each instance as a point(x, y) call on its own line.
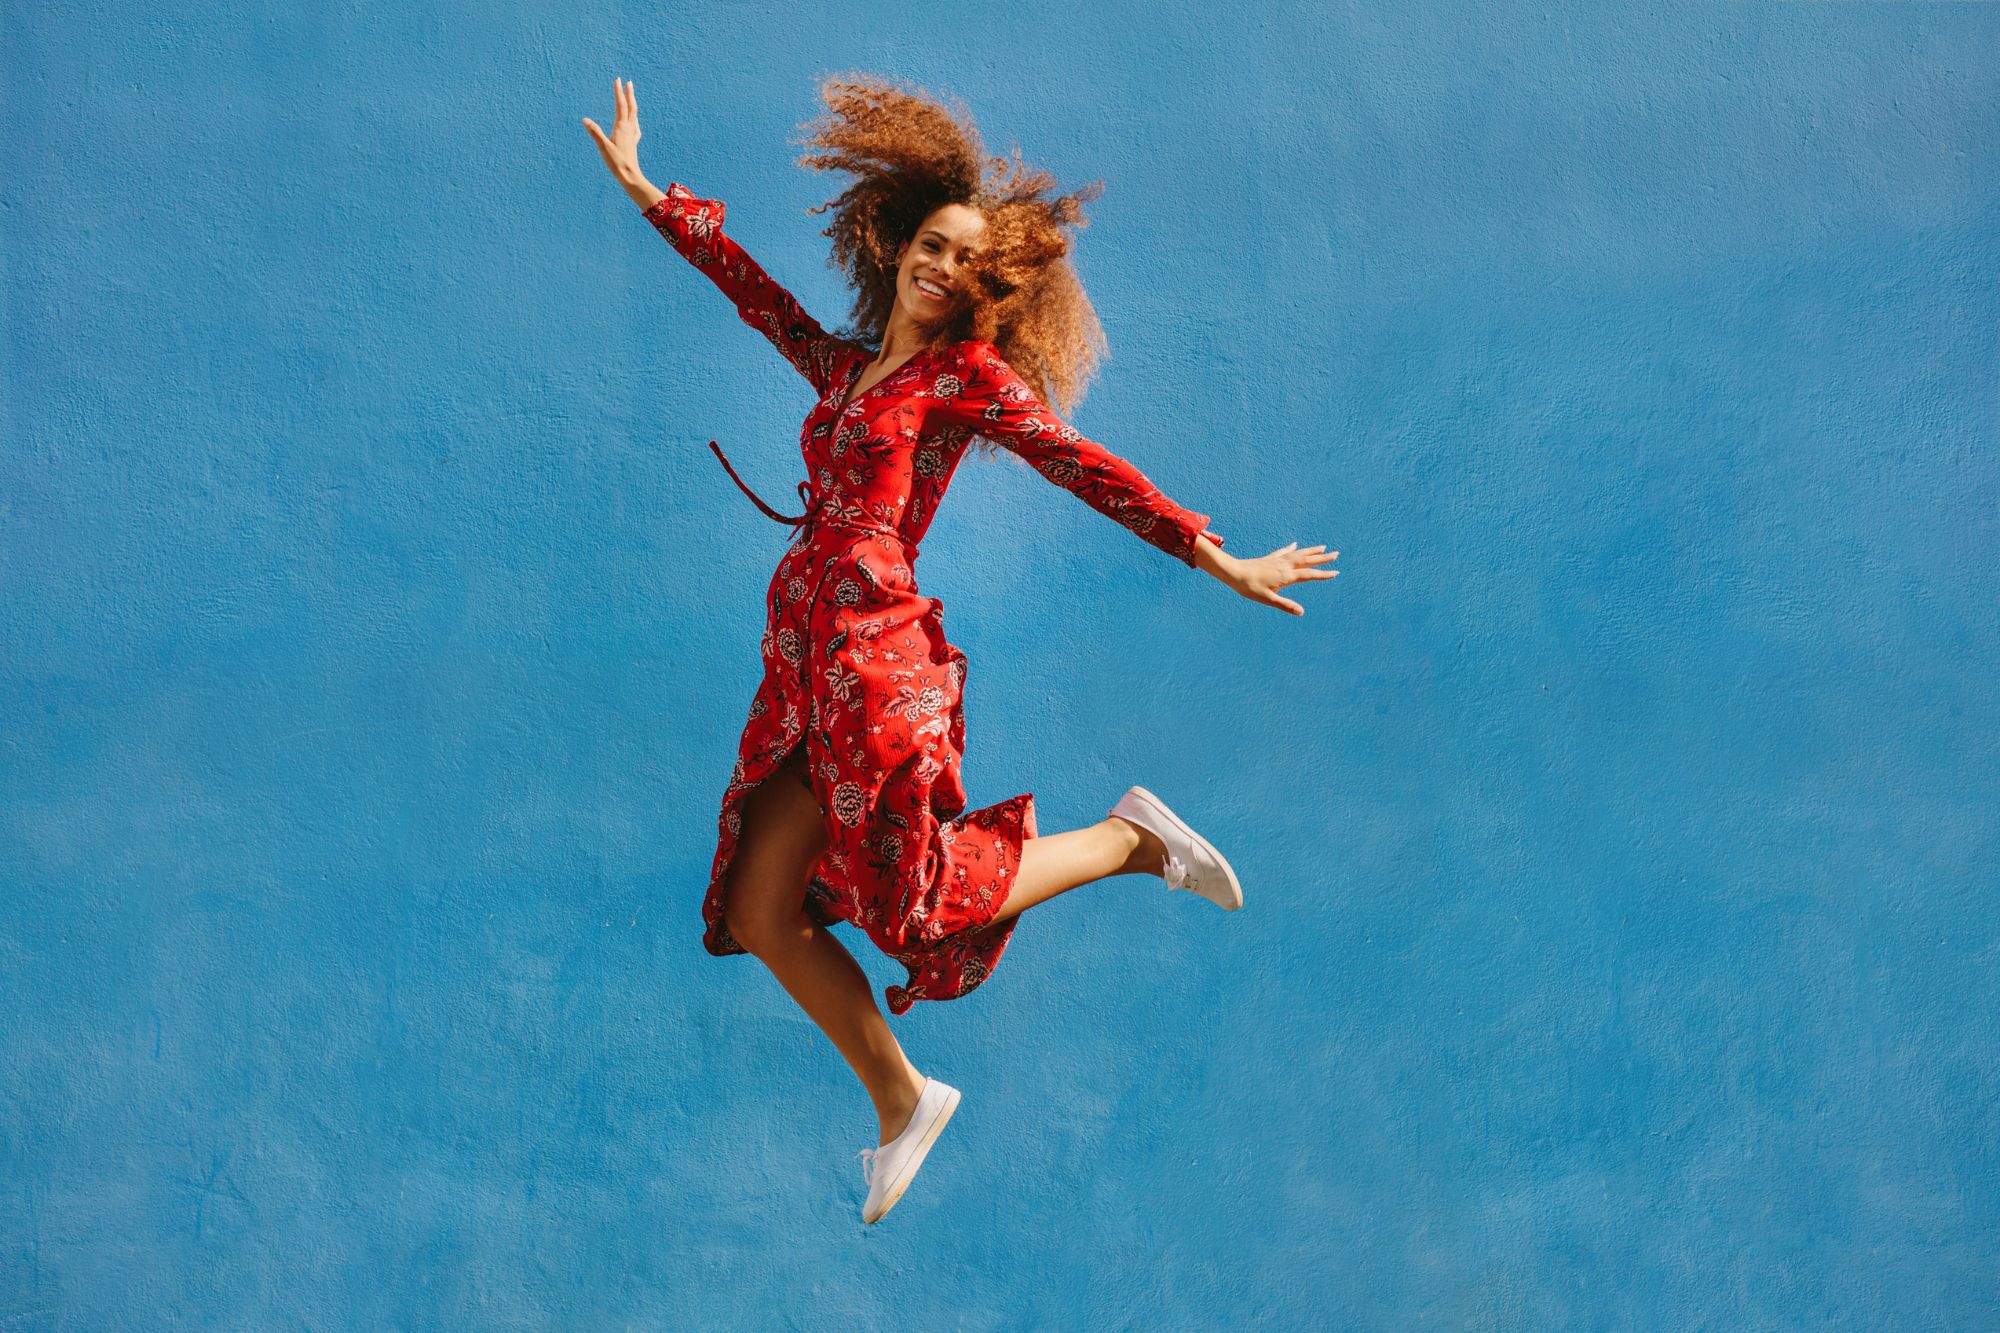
point(1064, 861)
point(782, 837)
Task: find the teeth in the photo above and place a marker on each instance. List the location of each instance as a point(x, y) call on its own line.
point(928, 287)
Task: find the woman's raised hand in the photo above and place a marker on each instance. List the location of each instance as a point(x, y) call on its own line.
point(1260, 579)
point(621, 150)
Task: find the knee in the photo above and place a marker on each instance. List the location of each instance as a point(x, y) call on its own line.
point(764, 901)
point(761, 925)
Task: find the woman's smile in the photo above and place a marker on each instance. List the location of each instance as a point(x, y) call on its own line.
point(932, 263)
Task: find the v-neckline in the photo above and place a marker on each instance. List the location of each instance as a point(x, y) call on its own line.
point(852, 397)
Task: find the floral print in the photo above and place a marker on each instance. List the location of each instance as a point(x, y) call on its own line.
point(856, 665)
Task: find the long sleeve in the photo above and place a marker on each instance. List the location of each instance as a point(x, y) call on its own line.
point(985, 395)
point(693, 226)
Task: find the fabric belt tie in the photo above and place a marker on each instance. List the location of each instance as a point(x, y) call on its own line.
point(814, 509)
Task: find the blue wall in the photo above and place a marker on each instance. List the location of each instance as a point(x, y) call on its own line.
point(1619, 831)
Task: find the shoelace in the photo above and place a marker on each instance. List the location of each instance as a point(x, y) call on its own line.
point(867, 1156)
point(1175, 873)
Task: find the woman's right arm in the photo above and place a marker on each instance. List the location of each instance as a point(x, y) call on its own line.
point(644, 193)
point(693, 226)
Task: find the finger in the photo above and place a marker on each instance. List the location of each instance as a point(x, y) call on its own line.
point(595, 133)
point(632, 97)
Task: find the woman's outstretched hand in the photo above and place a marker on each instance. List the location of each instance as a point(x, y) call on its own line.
point(621, 149)
point(1260, 579)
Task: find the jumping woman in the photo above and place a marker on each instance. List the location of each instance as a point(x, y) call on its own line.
point(846, 802)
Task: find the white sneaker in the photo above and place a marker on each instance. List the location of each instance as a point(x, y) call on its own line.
point(889, 1169)
point(1192, 863)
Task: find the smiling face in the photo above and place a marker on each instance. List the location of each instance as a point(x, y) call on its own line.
point(930, 273)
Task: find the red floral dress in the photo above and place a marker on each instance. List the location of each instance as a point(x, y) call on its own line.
point(856, 663)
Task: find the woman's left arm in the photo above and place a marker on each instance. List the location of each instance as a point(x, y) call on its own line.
point(982, 393)
point(979, 391)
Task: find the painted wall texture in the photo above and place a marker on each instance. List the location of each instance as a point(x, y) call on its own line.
point(1619, 832)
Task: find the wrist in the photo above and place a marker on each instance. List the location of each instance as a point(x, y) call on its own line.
point(642, 191)
point(1212, 559)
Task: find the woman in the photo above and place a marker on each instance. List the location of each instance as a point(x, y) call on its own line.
point(961, 278)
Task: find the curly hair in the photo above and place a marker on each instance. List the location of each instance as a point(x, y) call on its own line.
point(911, 155)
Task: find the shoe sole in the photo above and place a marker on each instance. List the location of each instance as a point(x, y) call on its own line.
point(1160, 807)
point(931, 1132)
